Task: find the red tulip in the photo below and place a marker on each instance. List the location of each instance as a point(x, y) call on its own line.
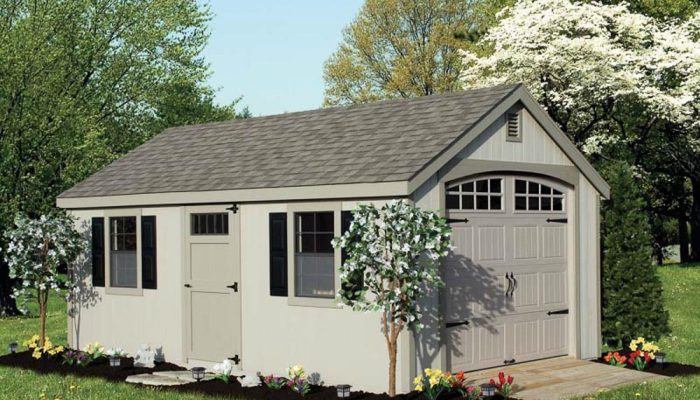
point(502, 377)
point(510, 380)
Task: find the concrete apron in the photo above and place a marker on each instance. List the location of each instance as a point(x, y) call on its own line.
point(562, 378)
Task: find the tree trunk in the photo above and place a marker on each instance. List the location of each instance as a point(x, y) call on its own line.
point(683, 240)
point(8, 306)
point(42, 316)
point(391, 344)
point(695, 222)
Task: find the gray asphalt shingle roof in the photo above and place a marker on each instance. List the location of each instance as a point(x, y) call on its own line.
point(379, 142)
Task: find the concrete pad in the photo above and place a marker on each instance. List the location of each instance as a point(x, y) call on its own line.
point(562, 378)
point(166, 378)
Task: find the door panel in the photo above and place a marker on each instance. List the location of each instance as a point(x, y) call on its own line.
point(507, 271)
point(213, 308)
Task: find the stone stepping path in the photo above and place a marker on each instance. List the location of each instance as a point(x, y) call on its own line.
point(166, 378)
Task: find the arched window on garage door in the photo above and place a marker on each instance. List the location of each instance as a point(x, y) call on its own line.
point(479, 194)
point(532, 196)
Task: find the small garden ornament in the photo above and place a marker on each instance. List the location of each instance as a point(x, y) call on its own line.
point(249, 380)
point(393, 253)
point(36, 247)
point(223, 370)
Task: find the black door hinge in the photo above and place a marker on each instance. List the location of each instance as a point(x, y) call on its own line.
point(456, 220)
point(511, 361)
point(233, 208)
point(558, 312)
point(188, 285)
point(453, 324)
point(234, 286)
point(236, 360)
point(560, 220)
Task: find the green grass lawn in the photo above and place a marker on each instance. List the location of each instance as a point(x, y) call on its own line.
point(682, 297)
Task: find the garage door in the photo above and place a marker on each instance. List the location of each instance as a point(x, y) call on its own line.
point(506, 279)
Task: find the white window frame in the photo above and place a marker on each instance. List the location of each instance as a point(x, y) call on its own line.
point(292, 209)
point(138, 290)
point(459, 193)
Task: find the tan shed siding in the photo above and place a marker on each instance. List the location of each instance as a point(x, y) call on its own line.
point(536, 146)
point(589, 270)
point(154, 318)
point(429, 351)
point(329, 341)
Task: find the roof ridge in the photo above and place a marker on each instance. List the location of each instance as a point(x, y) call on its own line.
point(431, 97)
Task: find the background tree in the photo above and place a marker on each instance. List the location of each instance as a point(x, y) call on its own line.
point(392, 258)
point(400, 48)
point(36, 248)
point(84, 81)
point(631, 288)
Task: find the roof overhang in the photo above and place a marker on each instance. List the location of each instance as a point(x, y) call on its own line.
point(519, 94)
point(283, 194)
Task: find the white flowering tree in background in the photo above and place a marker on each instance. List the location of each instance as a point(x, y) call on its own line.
point(622, 85)
point(392, 259)
point(36, 248)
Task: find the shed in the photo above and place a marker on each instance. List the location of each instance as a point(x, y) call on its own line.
point(212, 241)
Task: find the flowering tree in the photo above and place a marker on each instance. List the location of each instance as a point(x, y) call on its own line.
point(622, 85)
point(36, 249)
point(392, 260)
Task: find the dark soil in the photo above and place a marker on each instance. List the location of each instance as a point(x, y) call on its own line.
point(668, 368)
point(233, 389)
point(99, 369)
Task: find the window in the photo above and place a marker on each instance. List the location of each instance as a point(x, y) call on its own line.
point(314, 256)
point(513, 127)
point(533, 196)
point(479, 194)
point(209, 224)
point(123, 266)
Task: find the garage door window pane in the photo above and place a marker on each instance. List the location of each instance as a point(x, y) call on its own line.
point(122, 267)
point(314, 255)
point(480, 194)
point(540, 197)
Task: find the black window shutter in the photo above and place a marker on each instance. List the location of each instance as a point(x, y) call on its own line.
point(149, 276)
point(278, 254)
point(98, 251)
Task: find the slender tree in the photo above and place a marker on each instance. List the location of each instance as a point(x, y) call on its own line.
point(392, 258)
point(36, 248)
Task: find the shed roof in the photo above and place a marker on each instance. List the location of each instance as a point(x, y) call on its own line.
point(394, 145)
point(379, 142)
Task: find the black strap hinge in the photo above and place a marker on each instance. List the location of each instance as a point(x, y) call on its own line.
point(457, 220)
point(558, 312)
point(233, 208)
point(236, 359)
point(234, 286)
point(453, 324)
point(559, 220)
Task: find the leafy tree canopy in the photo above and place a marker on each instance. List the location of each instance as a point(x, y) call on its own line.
point(83, 82)
point(401, 48)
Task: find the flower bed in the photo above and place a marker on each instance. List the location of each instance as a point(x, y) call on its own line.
point(668, 368)
point(101, 369)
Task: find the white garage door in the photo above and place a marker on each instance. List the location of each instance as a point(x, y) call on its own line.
point(506, 279)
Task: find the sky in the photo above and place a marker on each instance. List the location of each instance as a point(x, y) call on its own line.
point(271, 52)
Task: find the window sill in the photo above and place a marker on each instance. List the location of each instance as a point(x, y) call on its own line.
point(312, 302)
point(124, 291)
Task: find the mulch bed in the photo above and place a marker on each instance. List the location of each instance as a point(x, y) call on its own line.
point(233, 389)
point(668, 369)
point(98, 369)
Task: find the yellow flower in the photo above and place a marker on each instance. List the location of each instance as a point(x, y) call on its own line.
point(637, 394)
point(419, 387)
point(72, 387)
point(433, 381)
point(36, 354)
